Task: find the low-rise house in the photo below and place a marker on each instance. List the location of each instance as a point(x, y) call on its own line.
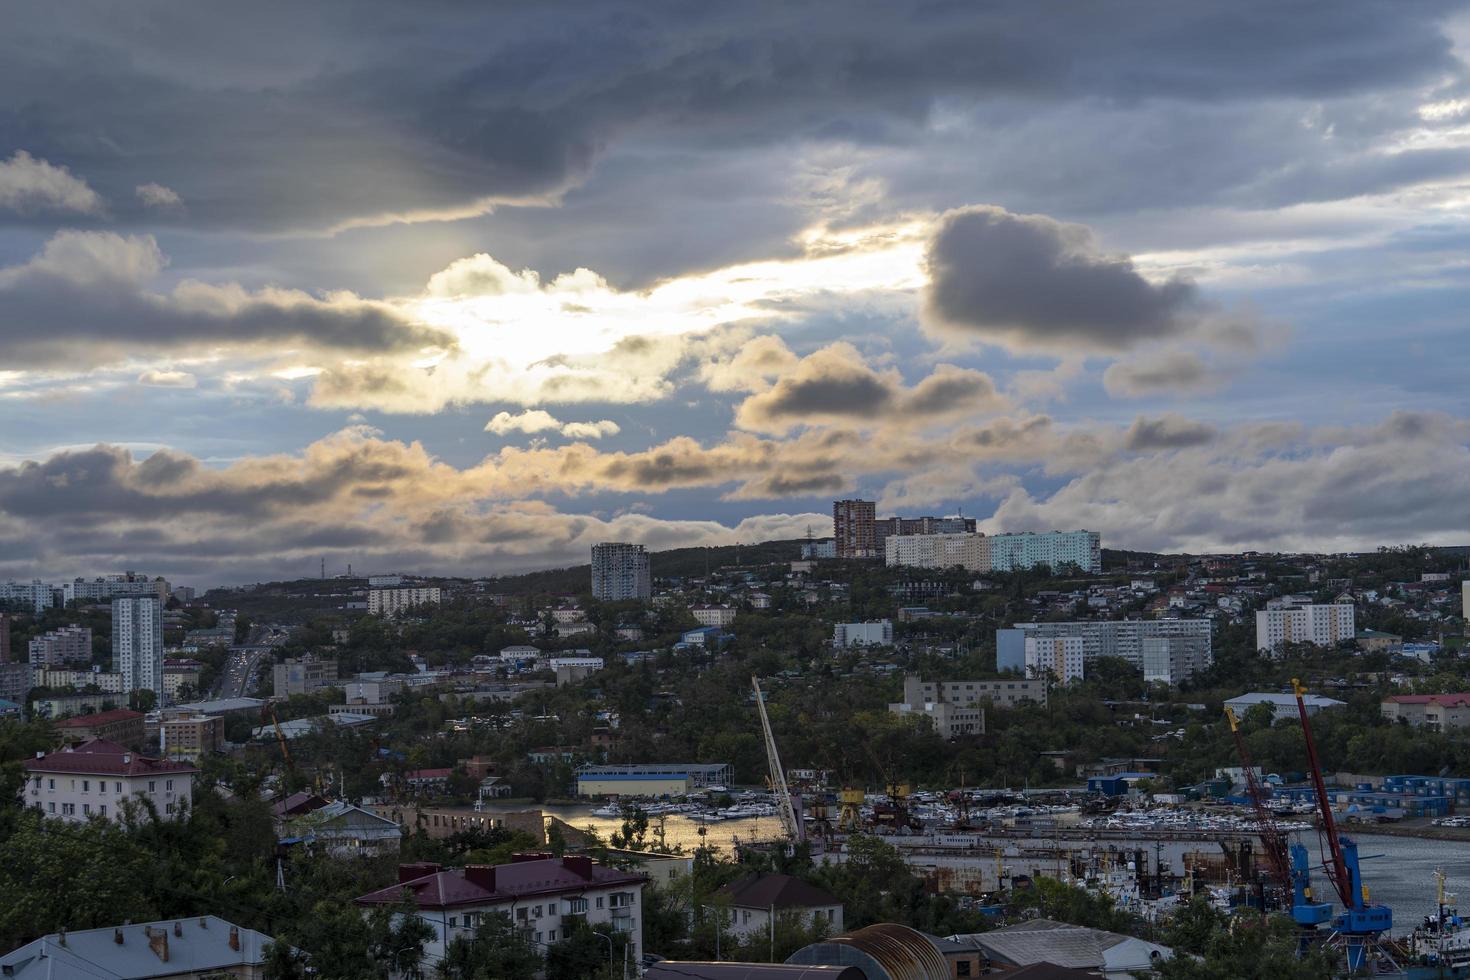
point(94, 778)
point(343, 829)
point(755, 899)
point(713, 615)
point(1109, 954)
point(118, 725)
point(544, 897)
point(427, 781)
point(171, 949)
point(1437, 712)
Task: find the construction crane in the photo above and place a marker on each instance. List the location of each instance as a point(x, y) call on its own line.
point(785, 806)
point(270, 709)
point(1273, 840)
point(1360, 923)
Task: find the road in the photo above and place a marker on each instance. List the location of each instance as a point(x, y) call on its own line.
point(239, 678)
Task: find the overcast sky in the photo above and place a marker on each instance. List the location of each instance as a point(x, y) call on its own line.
point(467, 287)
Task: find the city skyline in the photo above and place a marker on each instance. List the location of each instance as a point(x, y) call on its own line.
point(469, 291)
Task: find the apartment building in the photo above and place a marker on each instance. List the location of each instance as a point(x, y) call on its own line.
point(191, 737)
point(1004, 692)
point(390, 603)
point(949, 719)
point(305, 676)
point(1169, 650)
point(721, 616)
point(751, 902)
point(854, 530)
point(1320, 624)
point(544, 897)
point(109, 682)
point(1055, 549)
point(1058, 658)
point(179, 674)
point(69, 646)
point(93, 779)
point(968, 551)
point(878, 633)
point(137, 642)
point(620, 572)
point(1436, 712)
point(39, 595)
point(105, 588)
point(118, 725)
point(4, 638)
point(887, 527)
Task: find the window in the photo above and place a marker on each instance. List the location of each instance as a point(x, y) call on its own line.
point(599, 901)
point(68, 809)
point(169, 785)
point(453, 922)
point(962, 968)
point(102, 809)
point(169, 808)
point(551, 936)
point(51, 807)
point(86, 786)
point(117, 787)
point(86, 809)
point(51, 784)
point(152, 786)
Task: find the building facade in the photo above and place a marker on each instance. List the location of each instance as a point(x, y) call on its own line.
point(305, 676)
point(1138, 641)
point(544, 897)
point(878, 633)
point(191, 737)
point(118, 725)
point(621, 571)
point(15, 681)
point(109, 682)
point(105, 588)
point(69, 646)
point(1004, 692)
point(754, 900)
point(854, 531)
point(39, 595)
point(940, 550)
point(1055, 549)
point(389, 603)
point(1436, 712)
point(96, 777)
point(1320, 624)
point(1057, 658)
point(713, 615)
point(137, 642)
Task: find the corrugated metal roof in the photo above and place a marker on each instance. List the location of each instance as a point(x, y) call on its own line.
point(886, 951)
point(689, 970)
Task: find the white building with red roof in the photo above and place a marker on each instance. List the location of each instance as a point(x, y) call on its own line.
point(544, 896)
point(94, 778)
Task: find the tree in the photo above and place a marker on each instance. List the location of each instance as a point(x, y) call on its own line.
point(587, 952)
point(497, 951)
point(142, 699)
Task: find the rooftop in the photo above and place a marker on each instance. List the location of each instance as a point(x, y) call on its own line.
point(776, 891)
point(1458, 700)
point(480, 884)
point(192, 946)
point(103, 758)
point(100, 718)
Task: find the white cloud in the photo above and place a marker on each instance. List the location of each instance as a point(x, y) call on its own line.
point(537, 420)
point(29, 184)
point(158, 196)
point(168, 379)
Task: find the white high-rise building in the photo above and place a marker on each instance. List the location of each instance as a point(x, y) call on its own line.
point(1169, 650)
point(137, 642)
point(39, 595)
point(1322, 624)
point(1060, 657)
point(106, 587)
point(620, 571)
point(969, 551)
point(389, 603)
point(1011, 552)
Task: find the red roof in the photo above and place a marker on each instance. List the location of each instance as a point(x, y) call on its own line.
point(100, 757)
point(100, 718)
point(494, 884)
point(1459, 700)
point(429, 774)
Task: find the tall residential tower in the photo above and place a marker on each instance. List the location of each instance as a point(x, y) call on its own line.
point(137, 643)
point(620, 571)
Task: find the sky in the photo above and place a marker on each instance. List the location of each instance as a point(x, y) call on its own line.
point(466, 288)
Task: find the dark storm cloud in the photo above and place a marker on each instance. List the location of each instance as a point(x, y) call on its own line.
point(83, 301)
point(1029, 282)
point(1167, 432)
point(275, 115)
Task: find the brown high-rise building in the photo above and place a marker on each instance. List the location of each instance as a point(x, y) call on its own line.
point(853, 529)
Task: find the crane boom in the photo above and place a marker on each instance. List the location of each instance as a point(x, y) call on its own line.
point(785, 808)
point(1272, 838)
point(1337, 869)
point(281, 737)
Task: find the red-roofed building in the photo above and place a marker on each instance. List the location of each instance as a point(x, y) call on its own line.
point(118, 725)
point(543, 896)
point(1439, 712)
point(94, 778)
point(429, 782)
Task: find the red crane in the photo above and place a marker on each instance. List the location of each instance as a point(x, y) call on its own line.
point(1272, 838)
point(1337, 867)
